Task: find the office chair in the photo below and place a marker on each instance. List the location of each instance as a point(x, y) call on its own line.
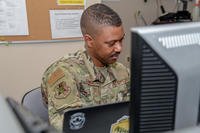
point(32, 100)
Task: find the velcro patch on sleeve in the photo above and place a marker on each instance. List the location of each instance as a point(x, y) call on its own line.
point(56, 75)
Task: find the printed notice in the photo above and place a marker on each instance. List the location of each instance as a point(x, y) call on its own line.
point(71, 2)
point(13, 18)
point(65, 23)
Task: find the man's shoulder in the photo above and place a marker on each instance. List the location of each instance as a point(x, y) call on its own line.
point(66, 61)
point(65, 67)
point(117, 66)
point(119, 70)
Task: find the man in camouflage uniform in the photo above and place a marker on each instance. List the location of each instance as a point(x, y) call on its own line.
point(88, 77)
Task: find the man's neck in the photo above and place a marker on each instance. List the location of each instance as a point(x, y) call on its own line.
point(96, 62)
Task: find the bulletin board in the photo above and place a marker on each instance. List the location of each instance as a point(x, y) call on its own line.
point(39, 20)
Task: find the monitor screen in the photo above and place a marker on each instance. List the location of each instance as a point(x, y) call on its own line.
point(165, 77)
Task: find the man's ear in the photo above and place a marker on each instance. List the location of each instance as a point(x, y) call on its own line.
point(89, 40)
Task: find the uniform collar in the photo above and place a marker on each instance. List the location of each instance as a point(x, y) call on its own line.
point(98, 74)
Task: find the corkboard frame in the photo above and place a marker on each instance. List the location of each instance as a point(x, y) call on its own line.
point(39, 22)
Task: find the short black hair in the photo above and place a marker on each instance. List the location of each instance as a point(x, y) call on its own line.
point(98, 14)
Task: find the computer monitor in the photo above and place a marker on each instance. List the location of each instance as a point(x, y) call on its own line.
point(165, 77)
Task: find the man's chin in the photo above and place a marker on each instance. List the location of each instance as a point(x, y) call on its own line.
point(112, 61)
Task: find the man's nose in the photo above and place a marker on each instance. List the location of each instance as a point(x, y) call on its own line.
point(118, 47)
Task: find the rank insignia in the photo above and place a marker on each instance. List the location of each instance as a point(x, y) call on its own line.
point(121, 126)
point(62, 90)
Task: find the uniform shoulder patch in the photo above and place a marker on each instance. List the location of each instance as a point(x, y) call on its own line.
point(62, 90)
point(56, 75)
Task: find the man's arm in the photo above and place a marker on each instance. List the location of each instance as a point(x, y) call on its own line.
point(60, 88)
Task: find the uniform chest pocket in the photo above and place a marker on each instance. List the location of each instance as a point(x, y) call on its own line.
point(115, 92)
point(89, 92)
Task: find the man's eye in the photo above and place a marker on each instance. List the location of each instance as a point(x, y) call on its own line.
point(121, 40)
point(111, 43)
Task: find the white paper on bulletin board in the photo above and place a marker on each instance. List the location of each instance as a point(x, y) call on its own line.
point(65, 23)
point(13, 18)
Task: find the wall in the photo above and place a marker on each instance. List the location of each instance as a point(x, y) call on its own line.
point(22, 65)
point(128, 9)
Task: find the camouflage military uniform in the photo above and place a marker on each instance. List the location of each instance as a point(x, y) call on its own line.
point(74, 82)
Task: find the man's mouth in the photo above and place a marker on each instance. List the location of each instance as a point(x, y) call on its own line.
point(115, 56)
